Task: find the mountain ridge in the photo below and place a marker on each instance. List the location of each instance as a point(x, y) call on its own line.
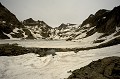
point(101, 24)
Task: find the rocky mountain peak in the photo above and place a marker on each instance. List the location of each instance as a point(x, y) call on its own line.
point(65, 26)
point(30, 20)
point(104, 21)
point(97, 28)
point(117, 9)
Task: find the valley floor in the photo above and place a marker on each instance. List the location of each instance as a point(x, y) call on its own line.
point(30, 66)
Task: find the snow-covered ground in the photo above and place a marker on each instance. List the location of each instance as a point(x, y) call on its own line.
point(30, 66)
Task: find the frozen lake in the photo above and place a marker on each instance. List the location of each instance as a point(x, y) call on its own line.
point(46, 44)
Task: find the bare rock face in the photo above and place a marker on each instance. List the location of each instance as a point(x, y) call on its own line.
point(6, 15)
point(106, 68)
point(104, 21)
point(38, 27)
point(8, 23)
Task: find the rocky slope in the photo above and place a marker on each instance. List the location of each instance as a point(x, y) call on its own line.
point(39, 29)
point(10, 27)
point(64, 31)
point(104, 25)
point(106, 68)
point(99, 28)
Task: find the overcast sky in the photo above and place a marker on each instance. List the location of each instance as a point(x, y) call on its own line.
point(55, 12)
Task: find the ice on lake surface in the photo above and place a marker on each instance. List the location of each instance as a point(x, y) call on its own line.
point(46, 44)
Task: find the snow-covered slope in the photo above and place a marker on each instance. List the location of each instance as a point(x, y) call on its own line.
point(64, 31)
point(104, 25)
point(39, 29)
point(31, 29)
point(30, 66)
point(100, 28)
point(10, 27)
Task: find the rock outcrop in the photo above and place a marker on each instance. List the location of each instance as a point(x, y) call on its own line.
point(39, 29)
point(106, 68)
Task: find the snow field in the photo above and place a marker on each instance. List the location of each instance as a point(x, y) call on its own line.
point(30, 66)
